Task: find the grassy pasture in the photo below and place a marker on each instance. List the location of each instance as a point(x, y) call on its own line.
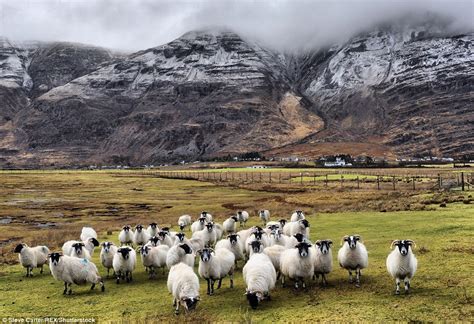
point(443, 288)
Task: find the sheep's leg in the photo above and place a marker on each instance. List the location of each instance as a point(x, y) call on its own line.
point(93, 286)
point(208, 286)
point(130, 275)
point(283, 281)
point(350, 276)
point(118, 277)
point(407, 286)
point(278, 275)
point(303, 283)
point(176, 304)
point(232, 280)
point(41, 271)
point(70, 289)
point(397, 286)
point(219, 284)
point(296, 283)
point(65, 288)
point(108, 272)
point(357, 278)
point(324, 280)
point(102, 287)
point(212, 286)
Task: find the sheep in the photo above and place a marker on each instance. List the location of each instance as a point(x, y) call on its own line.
point(107, 255)
point(154, 241)
point(277, 238)
point(181, 238)
point(243, 217)
point(198, 225)
point(353, 256)
point(183, 284)
point(271, 224)
point(206, 215)
point(88, 232)
point(215, 266)
point(260, 277)
point(154, 257)
point(264, 215)
point(322, 259)
point(196, 244)
point(402, 263)
point(180, 253)
point(152, 229)
point(208, 235)
point(274, 252)
point(126, 235)
point(292, 241)
point(219, 230)
point(165, 238)
point(292, 228)
point(78, 250)
point(234, 245)
point(89, 245)
point(255, 248)
point(74, 270)
point(257, 236)
point(297, 264)
point(297, 215)
point(140, 237)
point(32, 257)
point(184, 221)
point(244, 234)
point(124, 263)
point(229, 224)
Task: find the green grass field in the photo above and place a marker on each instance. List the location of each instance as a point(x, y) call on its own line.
point(443, 288)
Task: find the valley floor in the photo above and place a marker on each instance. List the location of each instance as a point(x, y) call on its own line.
point(50, 208)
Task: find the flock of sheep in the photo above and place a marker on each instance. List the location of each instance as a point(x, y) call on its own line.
point(276, 251)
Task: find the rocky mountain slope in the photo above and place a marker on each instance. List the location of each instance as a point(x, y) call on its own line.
point(208, 93)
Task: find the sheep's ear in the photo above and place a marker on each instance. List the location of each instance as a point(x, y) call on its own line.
point(198, 298)
point(95, 242)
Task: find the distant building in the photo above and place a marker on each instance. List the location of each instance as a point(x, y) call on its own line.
point(340, 162)
point(257, 167)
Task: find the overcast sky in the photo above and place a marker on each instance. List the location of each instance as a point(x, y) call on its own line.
point(284, 24)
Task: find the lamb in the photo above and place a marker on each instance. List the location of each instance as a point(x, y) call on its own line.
point(180, 253)
point(229, 224)
point(74, 270)
point(274, 252)
point(234, 245)
point(126, 235)
point(206, 215)
point(184, 221)
point(107, 255)
point(297, 264)
point(88, 232)
point(124, 263)
point(140, 237)
point(89, 245)
point(152, 229)
point(32, 257)
point(243, 217)
point(198, 225)
point(264, 215)
point(260, 277)
point(154, 257)
point(297, 215)
point(402, 263)
point(215, 266)
point(353, 256)
point(292, 228)
point(183, 284)
point(322, 259)
point(207, 235)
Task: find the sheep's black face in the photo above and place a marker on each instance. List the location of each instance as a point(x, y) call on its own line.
point(299, 213)
point(18, 248)
point(403, 246)
point(324, 246)
point(139, 228)
point(190, 303)
point(273, 227)
point(258, 235)
point(253, 299)
point(261, 213)
point(94, 241)
point(186, 248)
point(144, 250)
point(126, 228)
point(125, 252)
point(282, 222)
point(233, 239)
point(299, 237)
point(235, 218)
point(54, 257)
point(166, 229)
point(305, 223)
point(180, 236)
point(256, 246)
point(209, 226)
point(162, 234)
point(154, 240)
point(181, 227)
point(78, 247)
point(206, 255)
point(202, 220)
point(303, 249)
point(352, 241)
point(203, 213)
point(153, 225)
point(106, 246)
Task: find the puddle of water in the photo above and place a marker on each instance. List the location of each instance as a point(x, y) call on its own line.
point(6, 220)
point(46, 225)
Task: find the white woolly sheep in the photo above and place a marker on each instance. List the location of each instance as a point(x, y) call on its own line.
point(208, 235)
point(107, 255)
point(257, 235)
point(243, 217)
point(183, 284)
point(229, 224)
point(292, 228)
point(198, 225)
point(32, 257)
point(74, 270)
point(297, 264)
point(196, 244)
point(322, 259)
point(206, 215)
point(180, 253)
point(180, 239)
point(215, 266)
point(353, 256)
point(140, 236)
point(264, 215)
point(76, 249)
point(260, 277)
point(124, 263)
point(219, 230)
point(152, 229)
point(402, 263)
point(297, 215)
point(274, 252)
point(89, 244)
point(278, 238)
point(234, 245)
point(255, 247)
point(126, 235)
point(154, 257)
point(88, 232)
point(184, 221)
point(165, 238)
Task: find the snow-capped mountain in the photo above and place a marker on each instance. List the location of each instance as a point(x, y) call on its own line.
point(211, 93)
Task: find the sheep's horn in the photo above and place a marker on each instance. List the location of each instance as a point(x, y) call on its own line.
point(317, 242)
point(343, 239)
point(358, 236)
point(329, 241)
point(393, 243)
point(412, 242)
point(199, 251)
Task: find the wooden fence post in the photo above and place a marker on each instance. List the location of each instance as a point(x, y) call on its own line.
point(301, 178)
point(393, 180)
point(270, 177)
point(378, 182)
point(358, 185)
point(462, 181)
point(326, 181)
point(414, 183)
point(342, 180)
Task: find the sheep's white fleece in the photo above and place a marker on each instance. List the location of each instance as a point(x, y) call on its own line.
point(237, 249)
point(401, 266)
point(259, 273)
point(74, 270)
point(353, 259)
point(293, 266)
point(33, 257)
point(176, 255)
point(220, 264)
point(183, 282)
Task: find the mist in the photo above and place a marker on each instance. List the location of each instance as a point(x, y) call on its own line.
point(131, 25)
